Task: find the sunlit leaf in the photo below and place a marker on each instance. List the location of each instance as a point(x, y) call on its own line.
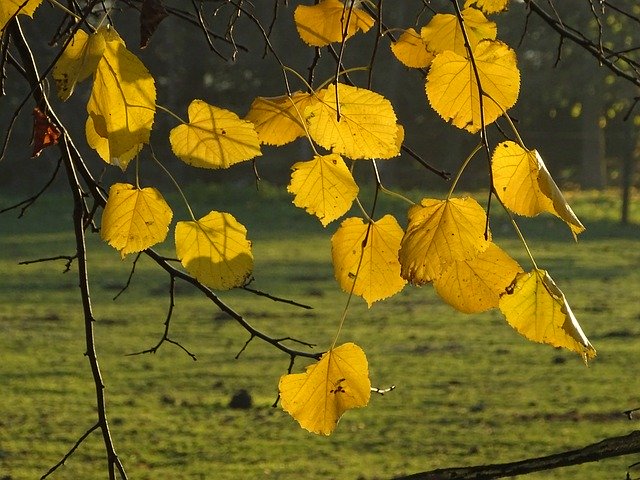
point(439, 233)
point(134, 219)
point(78, 61)
point(443, 32)
point(214, 138)
point(324, 187)
point(324, 23)
point(379, 274)
point(452, 88)
point(215, 250)
point(525, 186)
point(476, 285)
point(101, 146)
point(411, 50)
point(366, 128)
point(488, 6)
point(338, 382)
point(279, 120)
point(9, 8)
point(538, 309)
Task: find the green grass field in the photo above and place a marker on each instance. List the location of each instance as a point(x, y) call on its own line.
point(469, 388)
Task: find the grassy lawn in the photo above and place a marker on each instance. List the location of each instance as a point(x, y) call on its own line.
point(469, 388)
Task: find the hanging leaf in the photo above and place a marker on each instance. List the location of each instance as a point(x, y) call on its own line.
point(134, 219)
point(152, 14)
point(488, 6)
point(324, 23)
point(214, 138)
point(324, 187)
point(525, 186)
point(101, 146)
point(411, 50)
point(366, 128)
point(443, 32)
point(452, 88)
point(215, 250)
point(338, 382)
point(538, 310)
point(439, 233)
point(279, 120)
point(123, 99)
point(374, 248)
point(475, 285)
point(45, 133)
point(9, 8)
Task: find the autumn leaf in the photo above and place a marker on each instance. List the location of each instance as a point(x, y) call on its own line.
point(324, 187)
point(122, 101)
point(452, 88)
point(525, 186)
point(443, 32)
point(152, 14)
point(324, 23)
point(488, 6)
point(214, 138)
point(215, 250)
point(439, 233)
point(9, 8)
point(411, 50)
point(475, 285)
point(338, 382)
point(373, 247)
point(366, 128)
point(134, 219)
point(45, 132)
point(101, 146)
point(538, 310)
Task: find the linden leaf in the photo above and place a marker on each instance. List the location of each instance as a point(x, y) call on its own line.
point(10, 8)
point(317, 398)
point(123, 99)
point(134, 219)
point(443, 32)
point(475, 285)
point(78, 61)
point(452, 88)
point(214, 138)
point(215, 250)
point(538, 310)
point(489, 6)
point(324, 187)
point(366, 128)
point(101, 146)
point(525, 186)
point(367, 255)
point(439, 233)
point(411, 50)
point(278, 120)
point(322, 24)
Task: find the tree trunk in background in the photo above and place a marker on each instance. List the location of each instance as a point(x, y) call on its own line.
point(593, 173)
point(626, 178)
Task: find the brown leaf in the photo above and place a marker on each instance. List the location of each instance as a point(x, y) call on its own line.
point(152, 13)
point(45, 133)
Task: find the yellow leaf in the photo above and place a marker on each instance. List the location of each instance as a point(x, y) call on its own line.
point(443, 32)
point(123, 99)
point(379, 274)
point(9, 8)
point(322, 24)
point(411, 50)
point(538, 309)
point(215, 250)
point(279, 120)
point(214, 138)
point(489, 6)
point(101, 146)
point(324, 187)
point(78, 61)
point(475, 285)
point(338, 382)
point(439, 233)
point(525, 186)
point(452, 88)
point(134, 219)
point(366, 128)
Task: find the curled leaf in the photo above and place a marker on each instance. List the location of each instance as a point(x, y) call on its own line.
point(411, 50)
point(324, 23)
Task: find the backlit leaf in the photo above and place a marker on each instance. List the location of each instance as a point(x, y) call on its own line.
point(488, 6)
point(101, 146)
point(475, 285)
point(338, 382)
point(439, 233)
point(134, 219)
point(367, 126)
point(322, 24)
point(324, 187)
point(411, 50)
point(215, 250)
point(379, 274)
point(452, 88)
point(538, 310)
point(525, 186)
point(443, 32)
point(214, 138)
point(9, 8)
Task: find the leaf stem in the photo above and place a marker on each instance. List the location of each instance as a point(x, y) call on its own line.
point(462, 168)
point(166, 110)
point(520, 235)
point(175, 183)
